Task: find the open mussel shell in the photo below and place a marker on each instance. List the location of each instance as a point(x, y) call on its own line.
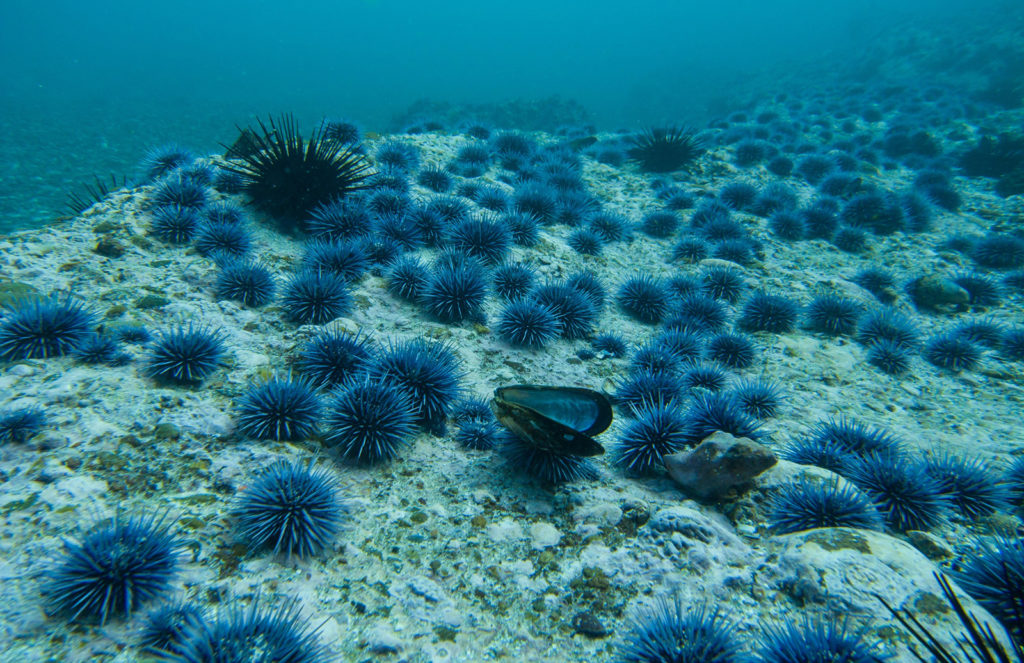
point(556, 419)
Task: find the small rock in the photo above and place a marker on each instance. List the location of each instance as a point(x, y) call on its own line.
point(937, 293)
point(544, 535)
point(109, 248)
point(587, 623)
point(382, 640)
point(718, 464)
point(928, 545)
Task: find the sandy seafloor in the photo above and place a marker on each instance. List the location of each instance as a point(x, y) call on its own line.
point(450, 555)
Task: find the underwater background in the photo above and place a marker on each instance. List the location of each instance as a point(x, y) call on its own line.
point(391, 331)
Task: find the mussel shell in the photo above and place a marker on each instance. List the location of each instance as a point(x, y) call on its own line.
point(583, 410)
point(556, 419)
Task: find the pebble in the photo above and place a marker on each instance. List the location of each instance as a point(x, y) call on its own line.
point(544, 535)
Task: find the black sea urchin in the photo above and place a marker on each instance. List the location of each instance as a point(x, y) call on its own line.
point(665, 150)
point(286, 176)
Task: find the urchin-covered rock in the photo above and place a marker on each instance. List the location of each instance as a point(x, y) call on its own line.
point(718, 464)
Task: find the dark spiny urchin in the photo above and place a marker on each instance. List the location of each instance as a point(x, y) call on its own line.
point(428, 373)
point(247, 282)
point(985, 331)
point(162, 160)
point(278, 409)
point(341, 131)
point(806, 451)
point(1011, 345)
point(185, 355)
point(720, 229)
point(286, 177)
point(368, 420)
point(739, 251)
point(574, 208)
point(478, 435)
point(18, 425)
point(787, 225)
point(994, 577)
point(705, 376)
point(768, 313)
point(982, 289)
point(657, 430)
point(723, 282)
point(880, 214)
point(228, 182)
point(889, 357)
point(486, 239)
point(877, 281)
point(400, 229)
point(332, 356)
point(575, 311)
point(773, 198)
point(537, 200)
point(493, 198)
point(711, 413)
point(684, 344)
point(663, 150)
point(454, 293)
point(644, 298)
point(292, 509)
point(699, 312)
point(999, 251)
point(178, 190)
point(339, 219)
point(738, 195)
point(816, 642)
point(165, 629)
point(525, 228)
point(223, 239)
point(42, 327)
point(750, 152)
point(814, 167)
point(780, 165)
point(850, 240)
point(611, 227)
point(732, 350)
point(174, 224)
point(642, 387)
point(887, 325)
point(471, 408)
point(437, 179)
point(683, 285)
point(589, 284)
point(758, 398)
point(398, 155)
point(528, 324)
point(255, 633)
point(346, 258)
point(901, 488)
point(690, 249)
point(543, 465)
point(665, 632)
point(508, 144)
point(513, 280)
point(709, 212)
point(654, 358)
point(610, 344)
point(100, 349)
point(953, 353)
point(114, 570)
point(974, 489)
point(832, 315)
point(316, 298)
point(819, 221)
point(407, 278)
point(659, 224)
point(803, 505)
point(585, 242)
point(855, 438)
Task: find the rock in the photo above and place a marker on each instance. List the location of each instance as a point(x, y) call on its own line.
point(929, 545)
point(544, 535)
point(937, 293)
point(587, 623)
point(718, 464)
point(382, 640)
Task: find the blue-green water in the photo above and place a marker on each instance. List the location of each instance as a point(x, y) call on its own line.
point(87, 87)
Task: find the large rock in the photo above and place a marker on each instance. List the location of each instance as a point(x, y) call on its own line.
point(718, 464)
